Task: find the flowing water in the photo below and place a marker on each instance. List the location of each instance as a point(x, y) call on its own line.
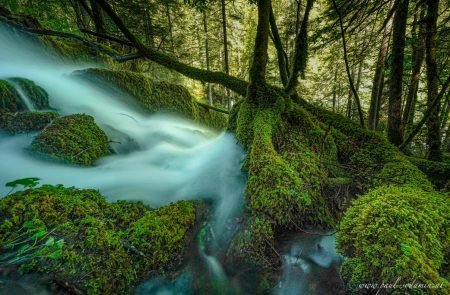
point(158, 159)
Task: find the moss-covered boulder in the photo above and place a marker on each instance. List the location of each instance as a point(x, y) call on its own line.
point(157, 95)
point(396, 233)
point(85, 243)
point(10, 100)
point(24, 122)
point(74, 138)
point(36, 94)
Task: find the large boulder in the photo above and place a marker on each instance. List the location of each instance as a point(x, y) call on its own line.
point(24, 122)
point(87, 245)
point(74, 138)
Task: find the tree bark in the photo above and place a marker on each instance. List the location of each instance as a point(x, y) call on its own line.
point(169, 21)
point(395, 85)
point(378, 76)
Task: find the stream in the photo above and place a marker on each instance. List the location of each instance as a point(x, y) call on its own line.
point(158, 159)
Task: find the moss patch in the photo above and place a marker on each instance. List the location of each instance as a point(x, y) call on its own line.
point(158, 95)
point(437, 172)
point(395, 232)
point(75, 138)
point(10, 100)
point(24, 122)
point(76, 236)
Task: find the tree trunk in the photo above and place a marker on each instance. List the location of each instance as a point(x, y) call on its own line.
point(395, 85)
point(433, 124)
point(225, 48)
point(149, 34)
point(260, 56)
point(97, 17)
point(169, 21)
point(281, 54)
point(378, 77)
point(205, 30)
point(334, 88)
point(300, 52)
point(418, 49)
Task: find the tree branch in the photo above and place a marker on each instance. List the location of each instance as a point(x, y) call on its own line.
point(347, 68)
point(237, 85)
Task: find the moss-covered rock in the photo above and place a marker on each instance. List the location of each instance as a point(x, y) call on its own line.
point(396, 232)
point(158, 95)
point(10, 100)
point(74, 138)
point(24, 122)
point(77, 237)
point(36, 94)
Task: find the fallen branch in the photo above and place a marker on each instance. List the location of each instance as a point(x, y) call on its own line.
point(212, 108)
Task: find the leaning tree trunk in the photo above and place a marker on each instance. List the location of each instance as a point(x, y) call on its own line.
point(433, 124)
point(378, 77)
point(208, 66)
point(97, 17)
point(395, 85)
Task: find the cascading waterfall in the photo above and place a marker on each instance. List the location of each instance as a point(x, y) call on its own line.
point(158, 159)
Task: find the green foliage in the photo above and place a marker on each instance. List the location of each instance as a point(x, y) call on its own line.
point(28, 182)
point(158, 95)
point(75, 138)
point(100, 247)
point(24, 122)
point(395, 232)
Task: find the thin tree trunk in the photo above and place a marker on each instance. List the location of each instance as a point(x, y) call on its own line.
point(260, 56)
point(334, 88)
point(169, 21)
point(149, 29)
point(395, 85)
point(378, 77)
point(349, 111)
point(418, 49)
point(433, 124)
point(380, 100)
point(225, 48)
point(281, 54)
point(300, 52)
point(350, 79)
point(205, 30)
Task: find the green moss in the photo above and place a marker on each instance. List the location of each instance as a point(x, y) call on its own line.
point(75, 138)
point(158, 95)
point(35, 93)
point(78, 237)
point(10, 100)
point(437, 172)
point(395, 232)
point(24, 122)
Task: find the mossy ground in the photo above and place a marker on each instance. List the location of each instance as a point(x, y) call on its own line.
point(35, 93)
point(74, 138)
point(9, 98)
point(25, 122)
point(77, 237)
point(158, 95)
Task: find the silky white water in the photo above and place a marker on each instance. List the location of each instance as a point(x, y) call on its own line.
point(159, 158)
